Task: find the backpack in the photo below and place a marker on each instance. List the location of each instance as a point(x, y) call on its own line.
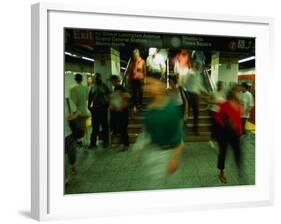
point(74, 124)
point(100, 96)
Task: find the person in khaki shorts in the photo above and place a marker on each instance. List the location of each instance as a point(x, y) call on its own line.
point(79, 96)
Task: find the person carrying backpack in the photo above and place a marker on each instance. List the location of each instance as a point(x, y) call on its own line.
point(98, 102)
point(119, 111)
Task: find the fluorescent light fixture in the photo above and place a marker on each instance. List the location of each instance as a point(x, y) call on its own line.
point(70, 54)
point(123, 68)
point(247, 59)
point(76, 56)
point(88, 59)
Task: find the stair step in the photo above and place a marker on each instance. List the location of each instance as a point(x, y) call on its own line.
point(198, 138)
point(201, 127)
point(202, 112)
point(204, 136)
point(135, 128)
point(136, 121)
point(140, 119)
point(189, 129)
point(190, 125)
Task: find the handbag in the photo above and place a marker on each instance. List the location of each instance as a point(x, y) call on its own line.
point(74, 123)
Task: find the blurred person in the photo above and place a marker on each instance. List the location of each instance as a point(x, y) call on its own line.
point(72, 132)
point(136, 76)
point(246, 98)
point(98, 103)
point(182, 64)
point(217, 97)
point(194, 88)
point(198, 58)
point(155, 64)
point(163, 122)
point(90, 81)
point(230, 129)
point(119, 110)
point(79, 96)
point(177, 94)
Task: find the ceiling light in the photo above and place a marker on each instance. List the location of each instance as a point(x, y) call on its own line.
point(247, 59)
point(88, 59)
point(70, 54)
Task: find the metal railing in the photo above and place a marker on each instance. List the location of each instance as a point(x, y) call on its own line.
point(124, 78)
point(208, 82)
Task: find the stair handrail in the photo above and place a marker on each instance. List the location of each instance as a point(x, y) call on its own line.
point(213, 86)
point(209, 85)
point(208, 81)
point(123, 81)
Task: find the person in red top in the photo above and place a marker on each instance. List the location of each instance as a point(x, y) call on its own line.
point(136, 75)
point(229, 123)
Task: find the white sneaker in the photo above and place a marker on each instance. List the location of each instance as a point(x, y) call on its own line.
point(135, 109)
point(212, 145)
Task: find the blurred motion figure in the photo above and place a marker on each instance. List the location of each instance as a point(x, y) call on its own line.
point(229, 123)
point(246, 98)
point(119, 111)
point(163, 122)
point(155, 63)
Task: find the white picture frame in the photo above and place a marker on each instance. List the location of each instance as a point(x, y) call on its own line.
point(48, 201)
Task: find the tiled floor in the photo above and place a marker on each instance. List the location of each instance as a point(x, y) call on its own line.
point(110, 170)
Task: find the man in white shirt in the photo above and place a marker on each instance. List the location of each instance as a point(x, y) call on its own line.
point(248, 103)
point(155, 64)
point(79, 96)
point(194, 88)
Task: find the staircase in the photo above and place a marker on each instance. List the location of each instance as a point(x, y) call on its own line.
point(203, 125)
point(136, 121)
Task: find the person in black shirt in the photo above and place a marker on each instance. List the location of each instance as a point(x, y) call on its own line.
point(119, 110)
point(98, 102)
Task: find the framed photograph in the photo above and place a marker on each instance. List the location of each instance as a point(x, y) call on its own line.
point(148, 111)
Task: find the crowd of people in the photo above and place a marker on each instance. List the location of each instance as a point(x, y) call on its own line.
point(108, 106)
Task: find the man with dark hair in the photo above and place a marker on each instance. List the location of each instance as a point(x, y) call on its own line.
point(98, 102)
point(119, 111)
point(78, 78)
point(79, 96)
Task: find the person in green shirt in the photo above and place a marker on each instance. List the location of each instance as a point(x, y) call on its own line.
point(163, 122)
